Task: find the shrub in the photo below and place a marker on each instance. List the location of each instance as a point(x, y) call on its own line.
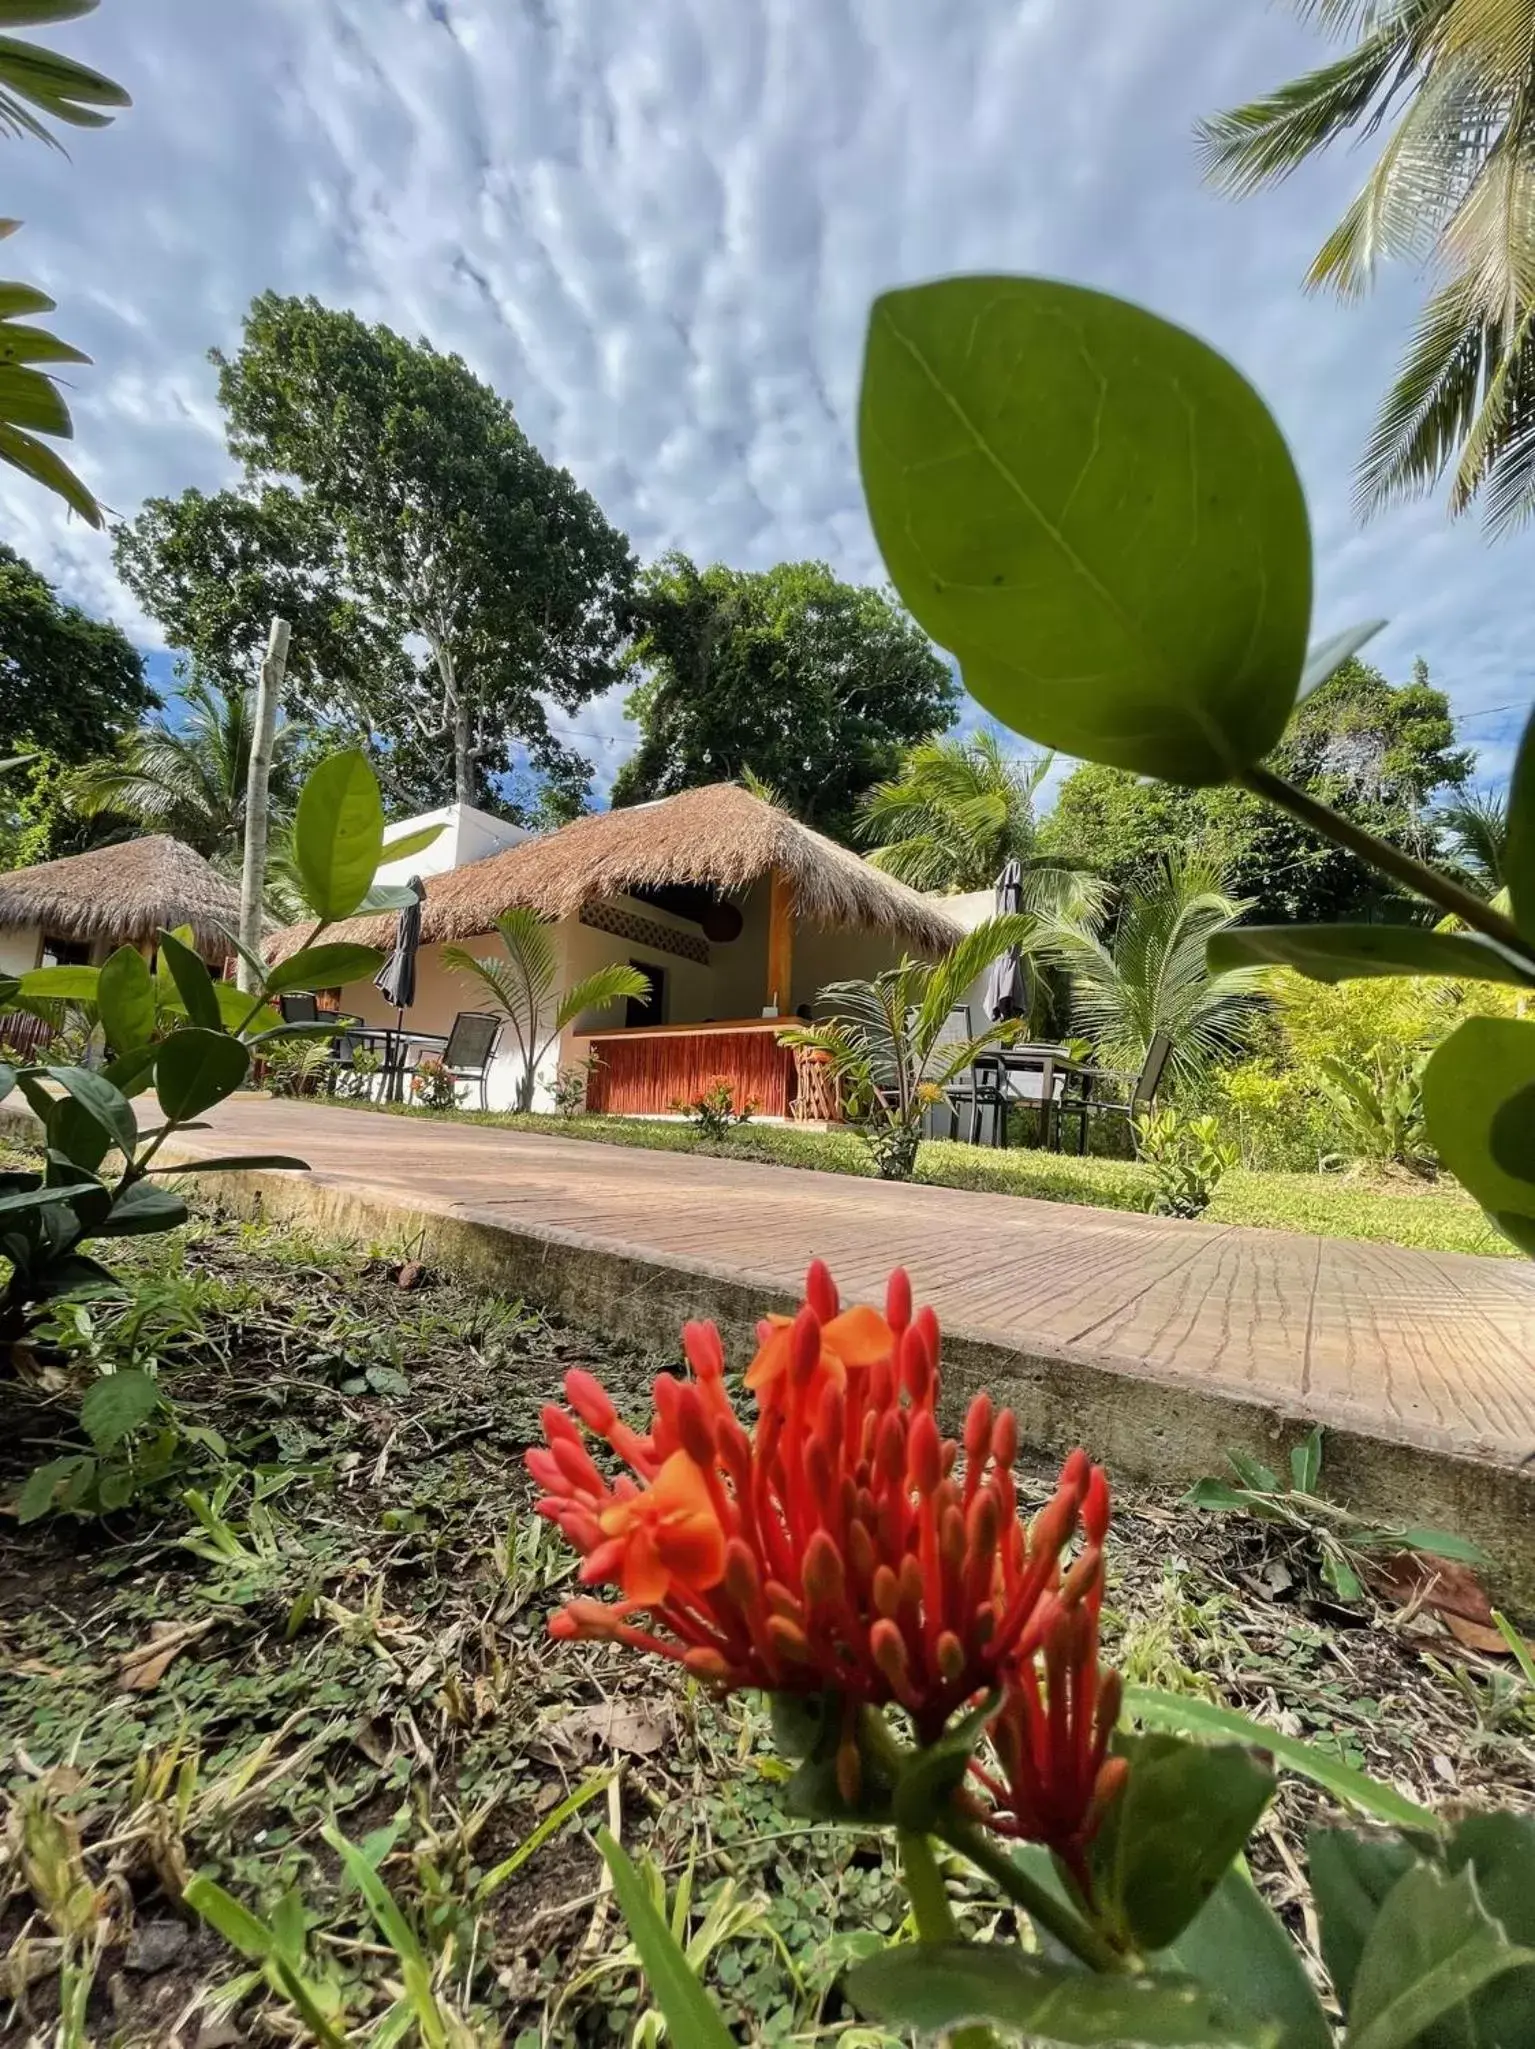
point(432, 1087)
point(1187, 1156)
point(713, 1112)
point(1276, 1119)
point(1378, 1106)
point(572, 1083)
point(298, 1069)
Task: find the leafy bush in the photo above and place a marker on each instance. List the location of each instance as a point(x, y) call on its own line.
point(432, 1087)
point(1276, 1118)
point(713, 1112)
point(1378, 1106)
point(572, 1083)
point(1187, 1156)
point(298, 1070)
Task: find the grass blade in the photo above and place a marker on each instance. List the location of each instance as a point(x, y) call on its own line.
point(691, 2015)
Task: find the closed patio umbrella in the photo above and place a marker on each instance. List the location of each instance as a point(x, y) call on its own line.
point(1007, 991)
point(396, 979)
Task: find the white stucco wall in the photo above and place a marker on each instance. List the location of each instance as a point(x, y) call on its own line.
point(467, 835)
point(18, 948)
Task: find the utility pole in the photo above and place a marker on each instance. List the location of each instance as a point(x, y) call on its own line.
point(253, 871)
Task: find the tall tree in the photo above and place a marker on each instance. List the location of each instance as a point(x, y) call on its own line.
point(814, 685)
point(448, 530)
point(215, 571)
point(1375, 751)
point(954, 814)
point(1454, 187)
point(189, 779)
point(69, 684)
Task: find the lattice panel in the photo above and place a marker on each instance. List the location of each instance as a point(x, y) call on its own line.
point(627, 924)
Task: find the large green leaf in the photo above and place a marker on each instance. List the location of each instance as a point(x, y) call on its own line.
point(940, 1986)
point(404, 844)
point(324, 967)
point(1096, 513)
point(691, 2015)
point(1238, 1948)
point(1500, 1848)
point(59, 985)
point(100, 1100)
point(1340, 953)
point(37, 460)
point(1153, 1866)
point(197, 1069)
point(17, 1201)
point(1159, 1710)
point(338, 834)
point(141, 1210)
point(125, 996)
point(238, 1163)
point(1433, 1946)
point(1479, 1106)
point(132, 1072)
point(1519, 849)
point(193, 983)
point(117, 1403)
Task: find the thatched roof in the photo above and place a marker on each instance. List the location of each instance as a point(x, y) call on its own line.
point(124, 892)
point(721, 837)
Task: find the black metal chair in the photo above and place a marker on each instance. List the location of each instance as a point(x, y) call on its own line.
point(299, 1008)
point(1083, 1102)
point(980, 1084)
point(471, 1047)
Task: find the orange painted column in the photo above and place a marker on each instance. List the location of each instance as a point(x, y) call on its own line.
point(780, 945)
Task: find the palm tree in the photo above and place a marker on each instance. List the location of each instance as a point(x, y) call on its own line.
point(1453, 186)
point(189, 779)
point(523, 987)
point(60, 89)
point(1476, 826)
point(889, 1040)
point(958, 810)
point(1142, 971)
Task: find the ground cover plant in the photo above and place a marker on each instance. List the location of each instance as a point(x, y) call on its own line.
point(350, 1624)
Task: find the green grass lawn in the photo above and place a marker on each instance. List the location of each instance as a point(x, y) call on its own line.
point(1435, 1217)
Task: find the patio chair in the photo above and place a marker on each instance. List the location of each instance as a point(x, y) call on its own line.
point(980, 1085)
point(299, 1008)
point(1081, 1101)
point(471, 1047)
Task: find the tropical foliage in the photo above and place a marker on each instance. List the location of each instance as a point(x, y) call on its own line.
point(1140, 969)
point(189, 779)
point(956, 812)
point(1474, 826)
point(813, 684)
point(892, 1044)
point(524, 987)
point(37, 86)
point(1453, 190)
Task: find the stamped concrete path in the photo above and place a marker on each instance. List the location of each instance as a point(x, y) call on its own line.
point(1429, 1349)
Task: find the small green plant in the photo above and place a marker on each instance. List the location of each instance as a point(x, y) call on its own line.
point(1187, 1156)
point(1377, 1106)
point(354, 1082)
point(714, 1112)
point(1333, 1536)
point(573, 1083)
point(299, 1070)
point(432, 1086)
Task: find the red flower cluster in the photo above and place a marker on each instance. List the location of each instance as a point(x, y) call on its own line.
point(840, 1545)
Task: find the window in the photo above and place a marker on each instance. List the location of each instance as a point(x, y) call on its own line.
point(65, 953)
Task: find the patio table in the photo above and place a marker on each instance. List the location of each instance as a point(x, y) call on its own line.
point(396, 1041)
point(1048, 1062)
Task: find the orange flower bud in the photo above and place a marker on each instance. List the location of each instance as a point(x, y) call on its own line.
point(822, 1574)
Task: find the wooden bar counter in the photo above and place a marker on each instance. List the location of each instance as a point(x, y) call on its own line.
point(647, 1069)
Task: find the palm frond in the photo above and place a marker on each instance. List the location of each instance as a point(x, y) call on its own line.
point(1264, 141)
point(1431, 407)
point(1476, 825)
point(604, 986)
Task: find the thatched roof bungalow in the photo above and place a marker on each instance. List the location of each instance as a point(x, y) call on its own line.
point(83, 907)
point(738, 913)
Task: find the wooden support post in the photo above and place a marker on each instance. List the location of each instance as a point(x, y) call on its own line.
point(780, 946)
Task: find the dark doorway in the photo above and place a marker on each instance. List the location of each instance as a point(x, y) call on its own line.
point(651, 1009)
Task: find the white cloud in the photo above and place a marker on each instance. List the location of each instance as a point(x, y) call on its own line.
point(657, 231)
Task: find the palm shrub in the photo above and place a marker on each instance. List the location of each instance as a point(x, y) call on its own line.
point(889, 1043)
point(189, 780)
point(1141, 970)
point(524, 987)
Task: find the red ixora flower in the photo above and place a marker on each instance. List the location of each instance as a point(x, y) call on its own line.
point(837, 1546)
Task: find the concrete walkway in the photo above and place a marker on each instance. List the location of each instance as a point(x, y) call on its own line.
point(1431, 1350)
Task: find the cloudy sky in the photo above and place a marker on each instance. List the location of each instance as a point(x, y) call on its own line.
point(657, 230)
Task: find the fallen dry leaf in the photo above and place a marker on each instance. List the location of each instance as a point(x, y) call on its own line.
point(1435, 1583)
point(141, 1669)
point(638, 1727)
point(1476, 1636)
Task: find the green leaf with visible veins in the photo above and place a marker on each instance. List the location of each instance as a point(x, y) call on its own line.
point(1433, 1945)
point(1096, 514)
